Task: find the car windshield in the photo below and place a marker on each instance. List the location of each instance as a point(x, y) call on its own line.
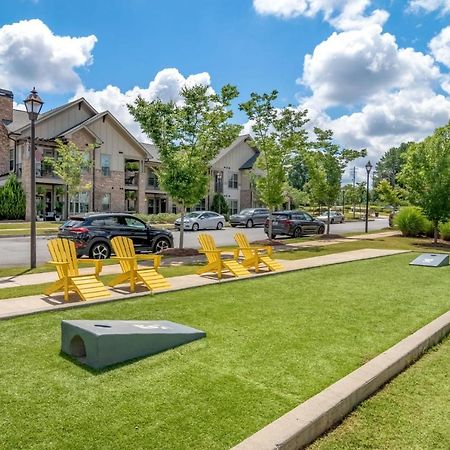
point(246, 211)
point(192, 215)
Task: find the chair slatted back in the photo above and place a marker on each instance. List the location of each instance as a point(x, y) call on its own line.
point(207, 243)
point(242, 242)
point(63, 250)
point(124, 247)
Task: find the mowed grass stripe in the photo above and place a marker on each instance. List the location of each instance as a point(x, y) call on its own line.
point(271, 343)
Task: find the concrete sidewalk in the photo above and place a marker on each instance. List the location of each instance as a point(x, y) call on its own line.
point(40, 303)
point(48, 277)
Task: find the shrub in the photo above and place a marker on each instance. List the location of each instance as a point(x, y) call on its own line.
point(444, 230)
point(158, 218)
point(12, 199)
point(429, 230)
point(411, 221)
point(219, 204)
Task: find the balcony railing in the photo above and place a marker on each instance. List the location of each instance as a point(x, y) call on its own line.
point(44, 171)
point(131, 178)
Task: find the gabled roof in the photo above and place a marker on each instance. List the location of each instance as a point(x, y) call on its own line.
point(20, 119)
point(235, 143)
point(250, 162)
point(152, 151)
point(51, 113)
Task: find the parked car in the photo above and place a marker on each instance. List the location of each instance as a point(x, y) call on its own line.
point(92, 233)
point(335, 217)
point(250, 217)
point(294, 224)
point(201, 220)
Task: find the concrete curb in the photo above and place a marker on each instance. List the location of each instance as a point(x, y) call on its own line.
point(308, 421)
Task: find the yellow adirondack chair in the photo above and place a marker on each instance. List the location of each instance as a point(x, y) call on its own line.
point(215, 262)
point(253, 255)
point(124, 249)
point(64, 257)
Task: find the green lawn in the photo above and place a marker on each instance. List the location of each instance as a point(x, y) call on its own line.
point(36, 289)
point(271, 343)
point(412, 412)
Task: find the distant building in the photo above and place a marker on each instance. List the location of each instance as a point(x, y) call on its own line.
point(122, 176)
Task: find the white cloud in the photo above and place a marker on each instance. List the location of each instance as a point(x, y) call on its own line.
point(31, 55)
point(166, 86)
point(350, 67)
point(429, 5)
point(440, 46)
point(342, 14)
point(19, 106)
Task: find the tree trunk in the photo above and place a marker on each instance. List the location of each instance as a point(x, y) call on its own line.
point(183, 210)
point(270, 221)
point(328, 221)
point(436, 230)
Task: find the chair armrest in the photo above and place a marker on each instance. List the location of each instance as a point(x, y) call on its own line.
point(155, 258)
point(98, 263)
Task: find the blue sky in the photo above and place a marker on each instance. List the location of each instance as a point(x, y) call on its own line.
point(376, 72)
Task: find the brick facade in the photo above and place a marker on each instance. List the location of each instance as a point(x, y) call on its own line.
point(6, 116)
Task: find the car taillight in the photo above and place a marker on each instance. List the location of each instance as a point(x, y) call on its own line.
point(79, 230)
point(287, 222)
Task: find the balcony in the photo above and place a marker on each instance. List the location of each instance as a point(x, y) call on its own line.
point(44, 171)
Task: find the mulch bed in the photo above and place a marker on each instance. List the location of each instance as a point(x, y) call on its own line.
point(180, 252)
point(331, 236)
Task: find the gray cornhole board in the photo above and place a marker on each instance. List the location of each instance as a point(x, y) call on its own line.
point(101, 343)
point(431, 260)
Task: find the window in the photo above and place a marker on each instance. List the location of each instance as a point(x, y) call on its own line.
point(134, 223)
point(153, 180)
point(200, 206)
point(233, 207)
point(233, 181)
point(11, 160)
point(174, 209)
point(218, 182)
point(106, 164)
point(106, 202)
point(151, 206)
point(80, 203)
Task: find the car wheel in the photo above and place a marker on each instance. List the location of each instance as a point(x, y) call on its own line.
point(160, 245)
point(297, 232)
point(321, 230)
point(100, 250)
point(249, 223)
point(332, 221)
point(219, 226)
point(195, 227)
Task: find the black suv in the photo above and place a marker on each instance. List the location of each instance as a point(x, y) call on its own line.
point(92, 232)
point(294, 224)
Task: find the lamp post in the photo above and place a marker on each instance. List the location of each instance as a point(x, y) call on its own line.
point(33, 104)
point(368, 169)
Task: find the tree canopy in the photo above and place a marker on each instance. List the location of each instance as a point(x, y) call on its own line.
point(426, 175)
point(278, 135)
point(188, 134)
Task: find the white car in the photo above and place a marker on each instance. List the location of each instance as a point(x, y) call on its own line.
point(335, 217)
point(201, 220)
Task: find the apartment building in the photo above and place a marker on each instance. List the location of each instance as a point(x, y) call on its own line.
point(122, 176)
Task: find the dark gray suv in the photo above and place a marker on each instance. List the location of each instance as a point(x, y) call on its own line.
point(250, 217)
point(294, 224)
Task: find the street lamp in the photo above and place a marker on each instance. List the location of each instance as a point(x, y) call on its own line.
point(33, 104)
point(368, 169)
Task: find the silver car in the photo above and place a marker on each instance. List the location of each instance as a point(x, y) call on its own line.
point(250, 217)
point(201, 220)
point(335, 217)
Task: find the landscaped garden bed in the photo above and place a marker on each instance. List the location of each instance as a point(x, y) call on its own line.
point(271, 343)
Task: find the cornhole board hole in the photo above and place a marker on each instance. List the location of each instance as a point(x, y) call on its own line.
point(431, 260)
point(101, 343)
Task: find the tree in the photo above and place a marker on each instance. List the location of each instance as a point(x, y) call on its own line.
point(188, 135)
point(69, 165)
point(326, 164)
point(278, 135)
point(389, 194)
point(426, 176)
point(298, 172)
point(219, 204)
point(390, 165)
